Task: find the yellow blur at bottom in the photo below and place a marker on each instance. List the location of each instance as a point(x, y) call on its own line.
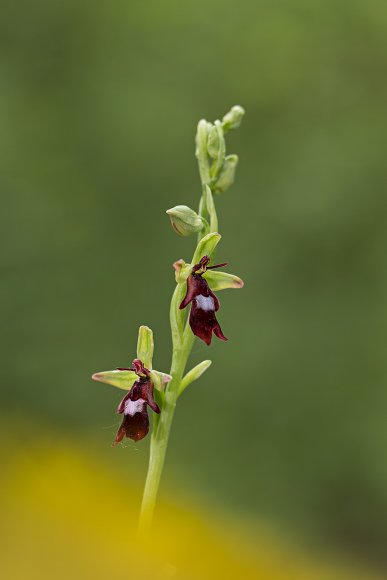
point(64, 516)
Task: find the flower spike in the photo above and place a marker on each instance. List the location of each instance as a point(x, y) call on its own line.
point(144, 386)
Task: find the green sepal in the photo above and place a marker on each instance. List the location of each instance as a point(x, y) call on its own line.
point(121, 379)
point(206, 246)
point(222, 280)
point(145, 346)
point(194, 374)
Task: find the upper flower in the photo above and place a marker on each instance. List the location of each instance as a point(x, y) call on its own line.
point(202, 317)
point(135, 424)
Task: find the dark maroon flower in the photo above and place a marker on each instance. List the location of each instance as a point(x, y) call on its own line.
point(202, 317)
point(135, 424)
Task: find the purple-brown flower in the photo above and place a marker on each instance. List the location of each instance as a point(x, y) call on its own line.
point(202, 317)
point(135, 424)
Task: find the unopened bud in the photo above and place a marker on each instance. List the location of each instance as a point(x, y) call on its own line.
point(233, 118)
point(185, 221)
point(213, 142)
point(227, 174)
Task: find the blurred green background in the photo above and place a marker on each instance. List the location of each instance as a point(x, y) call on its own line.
point(98, 105)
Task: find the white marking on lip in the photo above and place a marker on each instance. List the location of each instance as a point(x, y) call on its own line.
point(205, 302)
point(133, 407)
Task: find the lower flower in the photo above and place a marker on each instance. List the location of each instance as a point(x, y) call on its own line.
point(134, 406)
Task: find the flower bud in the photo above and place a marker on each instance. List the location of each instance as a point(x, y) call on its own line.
point(213, 142)
point(233, 118)
point(227, 174)
point(185, 221)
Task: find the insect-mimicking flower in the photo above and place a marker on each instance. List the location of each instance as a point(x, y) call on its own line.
point(135, 424)
point(202, 317)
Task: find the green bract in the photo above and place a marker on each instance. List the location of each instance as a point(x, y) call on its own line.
point(194, 374)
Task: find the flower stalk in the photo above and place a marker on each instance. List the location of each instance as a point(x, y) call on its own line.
point(195, 285)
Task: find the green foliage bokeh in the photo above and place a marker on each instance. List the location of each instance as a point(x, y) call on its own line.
point(99, 105)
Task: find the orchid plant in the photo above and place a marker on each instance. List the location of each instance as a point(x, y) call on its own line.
point(196, 282)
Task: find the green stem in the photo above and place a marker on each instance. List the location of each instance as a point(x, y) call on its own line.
point(182, 340)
